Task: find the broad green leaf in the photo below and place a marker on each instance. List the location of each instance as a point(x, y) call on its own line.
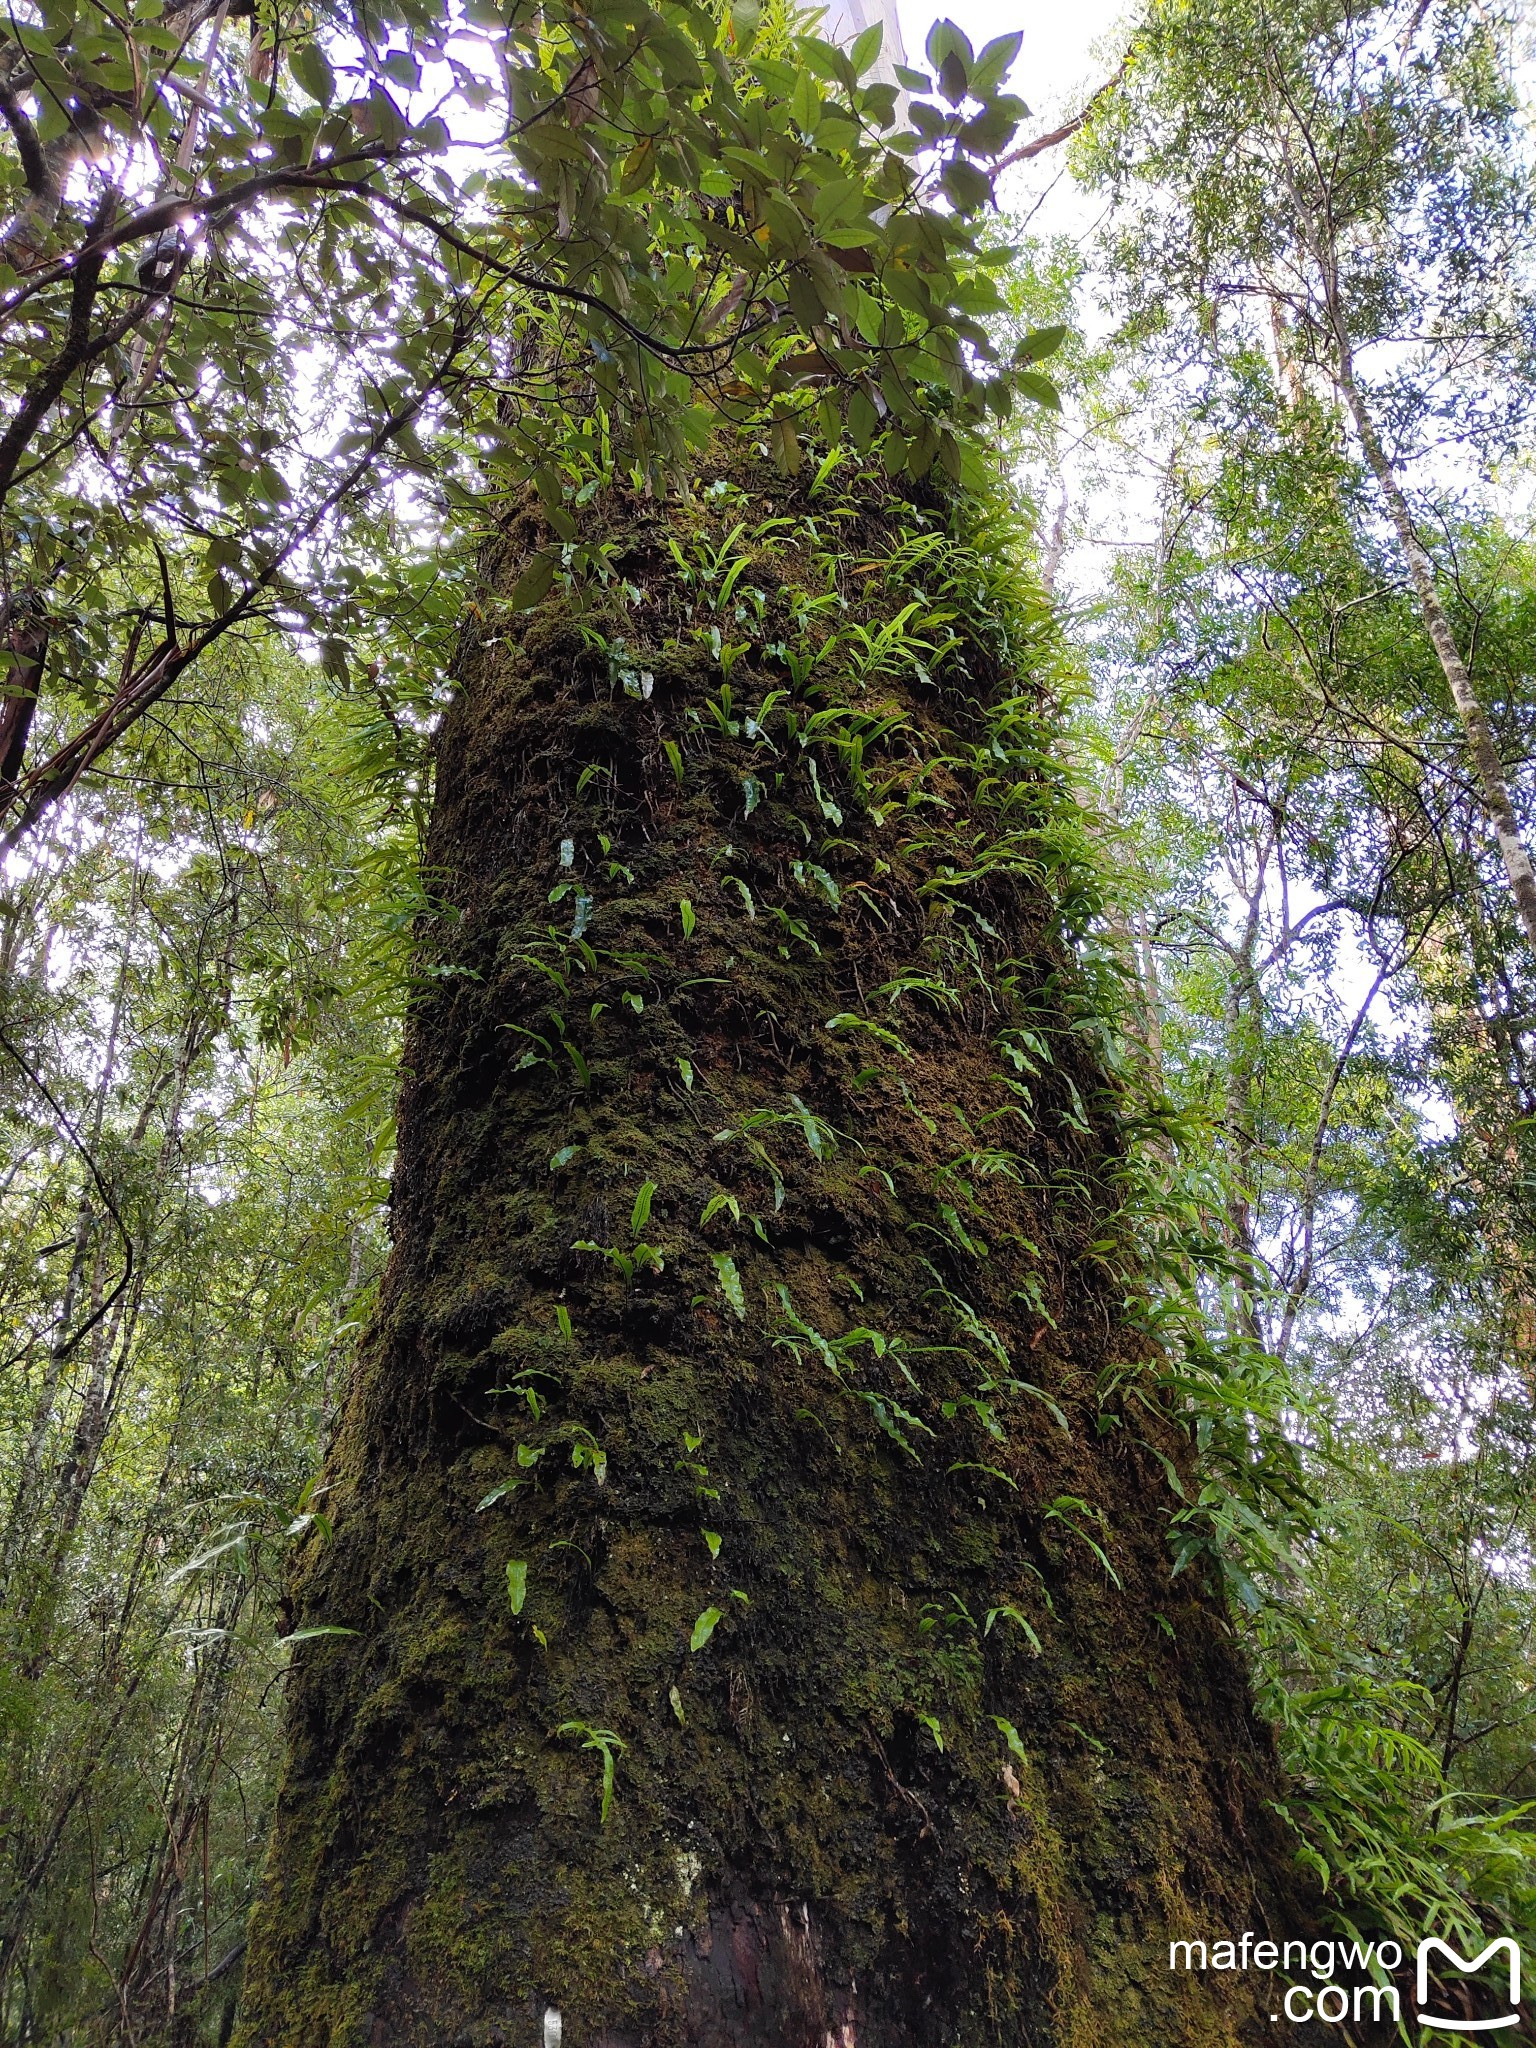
point(312, 68)
point(745, 16)
point(1039, 343)
point(535, 580)
point(965, 185)
point(946, 39)
point(994, 61)
point(866, 47)
point(1031, 384)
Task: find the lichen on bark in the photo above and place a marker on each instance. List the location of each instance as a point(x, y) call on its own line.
point(748, 1301)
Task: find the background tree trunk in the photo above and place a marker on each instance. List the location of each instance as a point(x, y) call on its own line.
point(1492, 781)
point(743, 1332)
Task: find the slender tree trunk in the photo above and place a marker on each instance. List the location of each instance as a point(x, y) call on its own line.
point(732, 1659)
point(1244, 1021)
point(1492, 782)
point(20, 1522)
point(1151, 998)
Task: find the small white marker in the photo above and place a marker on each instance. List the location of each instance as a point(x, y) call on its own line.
point(553, 2026)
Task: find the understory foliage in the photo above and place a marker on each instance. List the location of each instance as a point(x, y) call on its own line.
point(1326, 979)
point(197, 1031)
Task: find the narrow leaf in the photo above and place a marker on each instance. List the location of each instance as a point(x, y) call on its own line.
point(730, 1283)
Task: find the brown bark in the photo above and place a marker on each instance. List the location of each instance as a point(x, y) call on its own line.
point(940, 1776)
point(26, 629)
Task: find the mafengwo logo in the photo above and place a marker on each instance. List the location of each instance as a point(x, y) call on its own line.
point(1450, 1988)
point(1440, 1956)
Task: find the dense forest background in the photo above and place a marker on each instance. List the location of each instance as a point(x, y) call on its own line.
point(1303, 350)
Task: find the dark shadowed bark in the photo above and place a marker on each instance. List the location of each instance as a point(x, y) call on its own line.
point(25, 628)
point(763, 1623)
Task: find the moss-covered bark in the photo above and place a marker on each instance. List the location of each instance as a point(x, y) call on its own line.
point(732, 1421)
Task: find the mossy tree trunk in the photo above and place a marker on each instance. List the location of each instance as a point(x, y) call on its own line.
point(764, 1631)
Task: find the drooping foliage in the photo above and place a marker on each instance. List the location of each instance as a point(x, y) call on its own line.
point(262, 281)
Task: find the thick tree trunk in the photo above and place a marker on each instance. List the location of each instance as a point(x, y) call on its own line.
point(731, 1421)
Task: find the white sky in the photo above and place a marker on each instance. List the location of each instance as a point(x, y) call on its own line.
point(1069, 49)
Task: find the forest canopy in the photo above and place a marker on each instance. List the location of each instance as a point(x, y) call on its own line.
point(342, 347)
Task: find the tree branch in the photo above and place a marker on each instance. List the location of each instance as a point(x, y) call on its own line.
point(1041, 143)
point(53, 779)
point(28, 148)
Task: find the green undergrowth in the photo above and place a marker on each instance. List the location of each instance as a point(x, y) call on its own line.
point(1398, 1850)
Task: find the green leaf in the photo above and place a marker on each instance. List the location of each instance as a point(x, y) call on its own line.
point(1040, 389)
point(640, 1214)
point(1010, 1734)
point(305, 1635)
point(517, 1584)
point(534, 581)
point(1012, 1614)
point(805, 102)
point(311, 67)
point(496, 1493)
point(745, 17)
point(730, 1283)
point(947, 39)
point(711, 1542)
point(638, 169)
point(689, 920)
point(583, 1071)
point(869, 318)
point(866, 47)
point(993, 63)
point(968, 188)
point(1039, 343)
point(954, 80)
point(704, 1628)
point(992, 130)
